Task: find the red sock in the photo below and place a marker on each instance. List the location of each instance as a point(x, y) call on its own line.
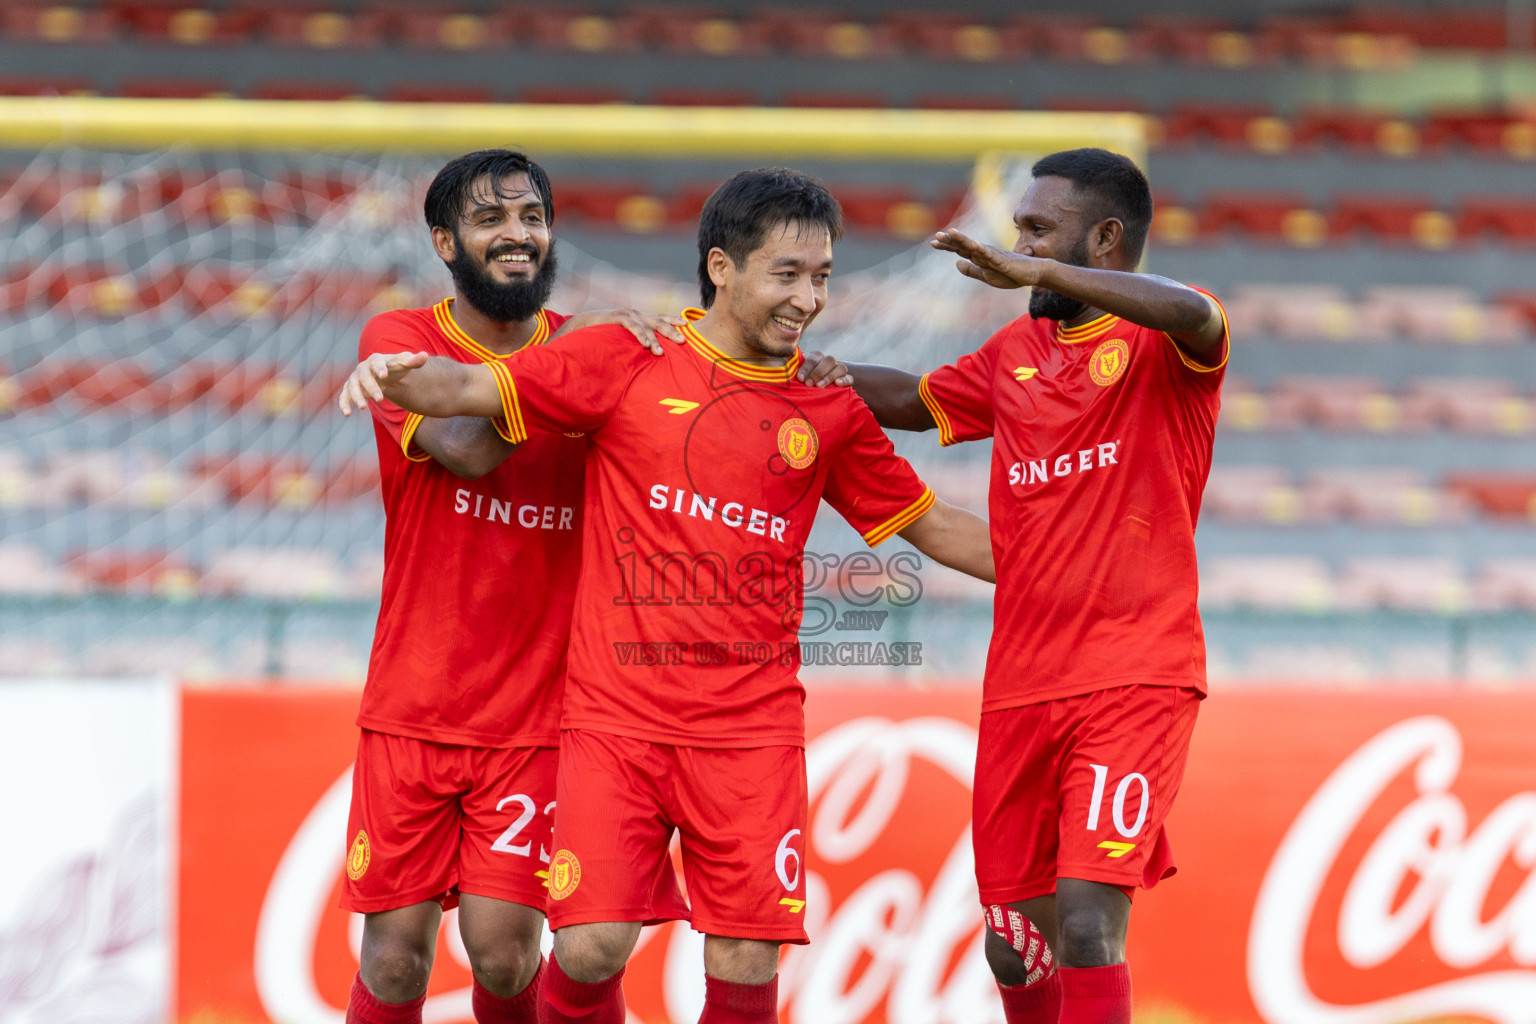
point(1039, 1003)
point(522, 1008)
point(1096, 995)
point(363, 1007)
point(563, 1000)
point(731, 1002)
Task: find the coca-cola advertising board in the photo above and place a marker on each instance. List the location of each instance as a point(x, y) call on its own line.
point(1344, 858)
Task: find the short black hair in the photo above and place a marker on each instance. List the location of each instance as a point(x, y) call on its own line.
point(1113, 185)
point(454, 187)
point(738, 216)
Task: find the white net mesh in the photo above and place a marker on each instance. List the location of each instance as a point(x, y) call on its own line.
point(174, 328)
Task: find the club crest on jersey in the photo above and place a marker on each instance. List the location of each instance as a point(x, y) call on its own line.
point(564, 874)
point(1109, 361)
point(797, 443)
point(358, 856)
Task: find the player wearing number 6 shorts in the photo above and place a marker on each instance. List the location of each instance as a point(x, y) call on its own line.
point(683, 708)
point(1102, 405)
point(454, 785)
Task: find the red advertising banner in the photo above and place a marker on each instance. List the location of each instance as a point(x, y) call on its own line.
point(1345, 858)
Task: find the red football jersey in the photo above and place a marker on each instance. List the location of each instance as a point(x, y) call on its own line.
point(1102, 446)
point(478, 574)
point(703, 477)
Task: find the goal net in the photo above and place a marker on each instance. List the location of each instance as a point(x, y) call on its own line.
point(179, 491)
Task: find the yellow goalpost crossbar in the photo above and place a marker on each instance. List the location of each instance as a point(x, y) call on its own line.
point(604, 130)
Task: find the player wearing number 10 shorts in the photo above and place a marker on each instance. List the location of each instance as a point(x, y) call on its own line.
point(684, 711)
point(1102, 405)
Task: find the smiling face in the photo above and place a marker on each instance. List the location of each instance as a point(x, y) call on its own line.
point(1053, 225)
point(501, 253)
point(771, 299)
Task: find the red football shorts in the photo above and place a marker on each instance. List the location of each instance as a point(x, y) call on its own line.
point(1079, 788)
point(432, 820)
point(740, 815)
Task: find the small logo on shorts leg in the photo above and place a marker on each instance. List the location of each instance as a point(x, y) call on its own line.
point(358, 856)
point(1114, 849)
point(564, 874)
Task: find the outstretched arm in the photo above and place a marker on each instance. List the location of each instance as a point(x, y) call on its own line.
point(1193, 320)
point(954, 537)
point(429, 385)
point(892, 395)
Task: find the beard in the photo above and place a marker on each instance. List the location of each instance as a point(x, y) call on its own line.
point(1045, 304)
point(497, 300)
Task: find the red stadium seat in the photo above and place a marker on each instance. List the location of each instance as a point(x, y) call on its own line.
point(1275, 216)
point(1463, 28)
point(601, 202)
point(135, 572)
point(456, 92)
point(305, 90)
point(317, 28)
point(687, 202)
point(356, 478)
point(835, 100)
point(943, 36)
point(1406, 218)
point(1383, 495)
point(1505, 584)
point(278, 573)
point(172, 88)
point(184, 24)
point(1217, 122)
point(894, 210)
point(820, 33)
point(1523, 304)
point(564, 28)
point(571, 94)
point(1350, 127)
point(1509, 218)
point(1498, 495)
point(1473, 129)
point(258, 389)
point(676, 97)
point(1342, 403)
point(1434, 314)
point(279, 480)
point(1301, 312)
point(947, 101)
point(427, 29)
point(46, 85)
point(41, 22)
point(694, 30)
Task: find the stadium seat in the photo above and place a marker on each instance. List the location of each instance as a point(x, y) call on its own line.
point(1227, 124)
point(956, 36)
point(1510, 219)
point(679, 97)
point(571, 94)
point(1266, 583)
point(305, 90)
point(600, 202)
point(1474, 405)
point(260, 389)
point(1298, 311)
point(353, 479)
point(950, 101)
point(42, 22)
point(1252, 494)
point(424, 28)
point(891, 209)
point(135, 572)
point(185, 24)
point(274, 573)
point(1408, 584)
point(834, 100)
point(1383, 495)
point(1263, 216)
point(455, 92)
point(564, 28)
point(1481, 130)
point(1433, 313)
point(25, 569)
point(45, 85)
point(1497, 495)
point(680, 29)
point(1347, 404)
point(1348, 127)
point(822, 34)
point(278, 480)
point(172, 88)
point(319, 29)
point(1247, 410)
point(1405, 218)
point(1505, 584)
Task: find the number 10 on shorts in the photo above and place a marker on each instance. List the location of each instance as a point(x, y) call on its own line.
point(1123, 790)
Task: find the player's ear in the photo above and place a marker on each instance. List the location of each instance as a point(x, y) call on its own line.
point(718, 262)
point(1106, 237)
point(445, 244)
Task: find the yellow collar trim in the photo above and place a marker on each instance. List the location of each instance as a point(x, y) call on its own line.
point(1085, 332)
point(747, 371)
point(443, 313)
